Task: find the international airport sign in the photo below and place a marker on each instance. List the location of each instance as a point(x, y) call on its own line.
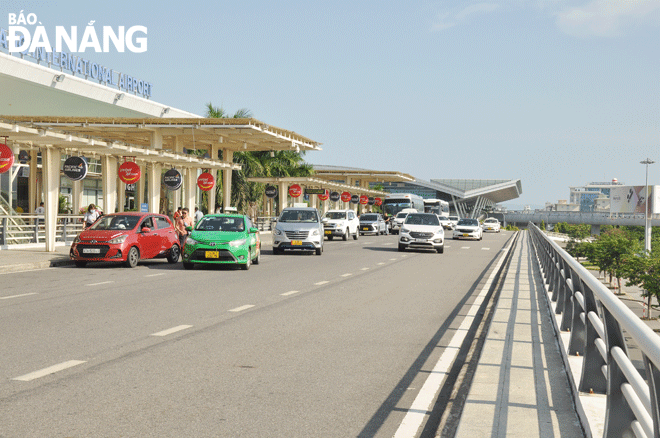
point(75, 168)
point(635, 199)
point(26, 37)
point(6, 158)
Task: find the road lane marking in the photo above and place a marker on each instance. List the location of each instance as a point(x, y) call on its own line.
point(421, 406)
point(17, 296)
point(154, 275)
point(465, 247)
point(98, 284)
point(285, 294)
point(49, 370)
point(321, 282)
point(388, 243)
point(485, 249)
point(240, 309)
point(381, 263)
point(172, 330)
point(393, 259)
point(346, 275)
point(365, 269)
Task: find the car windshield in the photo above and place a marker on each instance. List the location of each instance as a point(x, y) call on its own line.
point(469, 222)
point(401, 215)
point(443, 218)
point(335, 215)
point(369, 217)
point(422, 219)
point(491, 221)
point(453, 218)
point(120, 222)
point(211, 223)
point(299, 216)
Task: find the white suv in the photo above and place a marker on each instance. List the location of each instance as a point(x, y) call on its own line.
point(341, 223)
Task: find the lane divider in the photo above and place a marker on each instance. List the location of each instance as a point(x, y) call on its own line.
point(321, 283)
point(153, 275)
point(98, 284)
point(285, 294)
point(17, 296)
point(242, 308)
point(172, 330)
point(50, 370)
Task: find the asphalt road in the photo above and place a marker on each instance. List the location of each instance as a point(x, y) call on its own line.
point(300, 345)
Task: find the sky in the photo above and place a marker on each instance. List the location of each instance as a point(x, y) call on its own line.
point(556, 93)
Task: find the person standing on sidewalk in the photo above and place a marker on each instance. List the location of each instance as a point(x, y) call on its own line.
point(198, 214)
point(91, 215)
point(181, 223)
point(40, 211)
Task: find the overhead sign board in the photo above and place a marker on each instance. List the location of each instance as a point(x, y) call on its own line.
point(205, 181)
point(129, 172)
point(635, 199)
point(172, 179)
point(271, 191)
point(75, 168)
point(6, 158)
point(314, 191)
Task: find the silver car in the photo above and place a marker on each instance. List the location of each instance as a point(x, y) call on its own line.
point(372, 223)
point(300, 229)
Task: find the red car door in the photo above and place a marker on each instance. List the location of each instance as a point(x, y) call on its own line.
point(149, 242)
point(166, 233)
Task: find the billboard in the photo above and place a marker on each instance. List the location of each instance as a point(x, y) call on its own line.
point(634, 199)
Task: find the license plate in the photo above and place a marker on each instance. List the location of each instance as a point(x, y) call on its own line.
point(91, 250)
point(365, 228)
point(296, 242)
point(420, 240)
point(212, 254)
point(489, 228)
point(466, 235)
point(328, 232)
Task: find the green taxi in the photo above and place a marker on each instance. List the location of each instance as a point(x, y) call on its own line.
point(222, 238)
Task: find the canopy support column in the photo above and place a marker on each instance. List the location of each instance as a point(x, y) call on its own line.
point(153, 187)
point(228, 156)
point(139, 188)
point(109, 182)
point(50, 161)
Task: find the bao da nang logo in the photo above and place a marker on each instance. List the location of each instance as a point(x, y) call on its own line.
point(22, 39)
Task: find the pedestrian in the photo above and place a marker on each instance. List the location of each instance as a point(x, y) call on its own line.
point(40, 211)
point(198, 214)
point(177, 213)
point(181, 223)
point(91, 215)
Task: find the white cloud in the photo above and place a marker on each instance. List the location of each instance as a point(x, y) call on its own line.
point(451, 19)
point(606, 18)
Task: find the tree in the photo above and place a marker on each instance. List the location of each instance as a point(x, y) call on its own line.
point(644, 271)
point(613, 251)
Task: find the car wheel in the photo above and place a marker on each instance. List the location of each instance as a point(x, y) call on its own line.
point(257, 259)
point(174, 254)
point(356, 235)
point(188, 265)
point(441, 249)
point(133, 257)
point(345, 236)
point(402, 247)
point(319, 251)
point(81, 263)
point(245, 266)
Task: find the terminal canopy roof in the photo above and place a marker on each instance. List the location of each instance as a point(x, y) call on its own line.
point(153, 139)
point(333, 173)
point(313, 182)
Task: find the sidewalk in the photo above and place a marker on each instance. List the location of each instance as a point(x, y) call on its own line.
point(520, 387)
point(29, 259)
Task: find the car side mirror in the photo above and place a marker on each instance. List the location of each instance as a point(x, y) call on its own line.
point(254, 230)
point(145, 230)
point(188, 228)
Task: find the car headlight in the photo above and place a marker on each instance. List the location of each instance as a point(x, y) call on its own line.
point(191, 241)
point(118, 239)
point(237, 243)
point(405, 230)
point(315, 233)
point(77, 239)
point(278, 231)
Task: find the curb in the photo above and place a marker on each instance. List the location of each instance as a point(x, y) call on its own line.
point(24, 267)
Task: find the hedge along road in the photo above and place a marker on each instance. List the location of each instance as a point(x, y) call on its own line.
point(298, 346)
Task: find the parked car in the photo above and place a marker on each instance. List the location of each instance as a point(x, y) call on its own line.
point(223, 239)
point(422, 231)
point(468, 229)
point(126, 238)
point(372, 223)
point(491, 224)
point(298, 228)
point(341, 223)
point(445, 222)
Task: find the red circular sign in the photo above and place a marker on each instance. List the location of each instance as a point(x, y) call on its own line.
point(325, 196)
point(295, 191)
point(379, 201)
point(205, 181)
point(129, 172)
point(345, 197)
point(364, 199)
point(6, 158)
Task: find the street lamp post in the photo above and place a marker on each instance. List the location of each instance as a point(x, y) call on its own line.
point(647, 228)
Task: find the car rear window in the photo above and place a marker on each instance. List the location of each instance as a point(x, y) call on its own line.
point(229, 224)
point(308, 216)
point(422, 219)
point(468, 222)
point(116, 222)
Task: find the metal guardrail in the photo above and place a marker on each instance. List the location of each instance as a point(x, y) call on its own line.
point(265, 223)
point(32, 229)
point(596, 319)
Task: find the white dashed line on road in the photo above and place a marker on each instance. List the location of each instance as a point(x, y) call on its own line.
point(393, 259)
point(381, 263)
point(388, 243)
point(485, 249)
point(365, 269)
point(49, 370)
point(153, 275)
point(172, 330)
point(98, 284)
point(346, 275)
point(321, 283)
point(285, 294)
point(465, 247)
point(17, 296)
point(240, 309)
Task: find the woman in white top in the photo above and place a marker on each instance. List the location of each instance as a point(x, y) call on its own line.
point(90, 215)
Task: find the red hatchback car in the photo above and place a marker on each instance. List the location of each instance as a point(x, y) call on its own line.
point(126, 238)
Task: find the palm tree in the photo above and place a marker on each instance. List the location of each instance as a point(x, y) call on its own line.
point(257, 164)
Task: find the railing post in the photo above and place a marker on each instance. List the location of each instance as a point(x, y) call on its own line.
point(592, 378)
point(654, 388)
point(618, 415)
point(35, 239)
point(64, 230)
point(567, 307)
point(577, 339)
point(3, 234)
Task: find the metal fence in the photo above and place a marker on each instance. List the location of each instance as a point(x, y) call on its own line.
point(29, 229)
point(597, 320)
